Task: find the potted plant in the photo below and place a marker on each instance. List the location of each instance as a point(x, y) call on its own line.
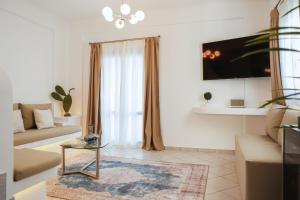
point(207, 96)
point(65, 98)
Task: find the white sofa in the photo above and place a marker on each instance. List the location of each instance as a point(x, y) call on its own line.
point(259, 157)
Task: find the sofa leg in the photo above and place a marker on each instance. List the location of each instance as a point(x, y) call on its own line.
point(36, 192)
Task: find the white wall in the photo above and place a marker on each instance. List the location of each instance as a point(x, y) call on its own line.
point(6, 142)
point(33, 50)
point(182, 31)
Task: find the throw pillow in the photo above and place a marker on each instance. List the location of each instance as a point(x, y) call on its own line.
point(28, 115)
point(290, 118)
point(43, 118)
point(274, 118)
point(18, 124)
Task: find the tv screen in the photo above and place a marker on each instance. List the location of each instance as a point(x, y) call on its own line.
point(219, 60)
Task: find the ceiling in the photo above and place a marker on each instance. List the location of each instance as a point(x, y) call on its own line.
point(79, 9)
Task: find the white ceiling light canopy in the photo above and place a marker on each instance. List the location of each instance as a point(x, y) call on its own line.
point(122, 17)
point(120, 23)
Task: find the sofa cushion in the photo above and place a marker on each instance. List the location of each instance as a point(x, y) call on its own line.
point(27, 113)
point(259, 167)
point(18, 125)
point(29, 162)
point(273, 121)
point(43, 118)
point(16, 106)
point(290, 118)
point(34, 135)
point(259, 148)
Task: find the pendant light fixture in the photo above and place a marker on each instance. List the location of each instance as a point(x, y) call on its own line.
point(123, 16)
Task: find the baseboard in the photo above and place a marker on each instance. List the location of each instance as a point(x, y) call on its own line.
point(201, 150)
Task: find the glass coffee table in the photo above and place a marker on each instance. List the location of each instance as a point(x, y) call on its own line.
point(79, 143)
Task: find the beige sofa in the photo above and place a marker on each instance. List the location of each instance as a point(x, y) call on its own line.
point(31, 162)
point(259, 157)
point(32, 134)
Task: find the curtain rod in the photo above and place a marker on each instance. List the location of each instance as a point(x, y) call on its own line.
point(123, 40)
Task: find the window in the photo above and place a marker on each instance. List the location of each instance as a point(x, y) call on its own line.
point(290, 61)
point(122, 92)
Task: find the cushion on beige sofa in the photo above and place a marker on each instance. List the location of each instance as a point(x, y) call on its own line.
point(273, 121)
point(16, 106)
point(27, 113)
point(29, 162)
point(43, 118)
point(290, 118)
point(34, 135)
point(18, 125)
point(259, 167)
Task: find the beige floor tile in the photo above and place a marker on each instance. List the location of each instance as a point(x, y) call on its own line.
point(218, 196)
point(222, 179)
point(234, 192)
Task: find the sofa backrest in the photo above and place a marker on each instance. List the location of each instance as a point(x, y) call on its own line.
point(27, 113)
point(290, 118)
point(16, 106)
point(274, 118)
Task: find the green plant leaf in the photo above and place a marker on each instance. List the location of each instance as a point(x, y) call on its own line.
point(296, 77)
point(290, 11)
point(287, 97)
point(264, 41)
point(60, 90)
point(56, 96)
point(70, 90)
point(289, 89)
point(264, 51)
point(270, 35)
point(67, 103)
point(278, 28)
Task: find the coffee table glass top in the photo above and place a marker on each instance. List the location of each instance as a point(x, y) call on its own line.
point(79, 143)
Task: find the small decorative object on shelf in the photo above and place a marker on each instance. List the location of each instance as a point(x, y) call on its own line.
point(207, 96)
point(91, 139)
point(66, 99)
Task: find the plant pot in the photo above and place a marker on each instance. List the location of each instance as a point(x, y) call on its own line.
point(67, 115)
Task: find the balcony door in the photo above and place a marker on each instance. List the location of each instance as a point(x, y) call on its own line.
point(122, 92)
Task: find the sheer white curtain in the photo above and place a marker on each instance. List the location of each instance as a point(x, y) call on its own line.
point(123, 92)
point(290, 61)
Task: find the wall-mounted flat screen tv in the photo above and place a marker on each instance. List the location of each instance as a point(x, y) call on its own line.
point(219, 60)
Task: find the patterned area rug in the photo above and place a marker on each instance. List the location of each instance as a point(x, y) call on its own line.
point(130, 179)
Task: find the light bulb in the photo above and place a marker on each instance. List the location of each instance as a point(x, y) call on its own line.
point(109, 18)
point(120, 23)
point(107, 12)
point(140, 15)
point(133, 19)
point(125, 9)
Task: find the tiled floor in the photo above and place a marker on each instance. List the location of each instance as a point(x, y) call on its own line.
point(222, 182)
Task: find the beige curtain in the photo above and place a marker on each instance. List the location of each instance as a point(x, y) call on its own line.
point(275, 60)
point(152, 139)
point(94, 102)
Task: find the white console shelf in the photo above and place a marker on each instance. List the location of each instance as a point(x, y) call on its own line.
point(219, 110)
